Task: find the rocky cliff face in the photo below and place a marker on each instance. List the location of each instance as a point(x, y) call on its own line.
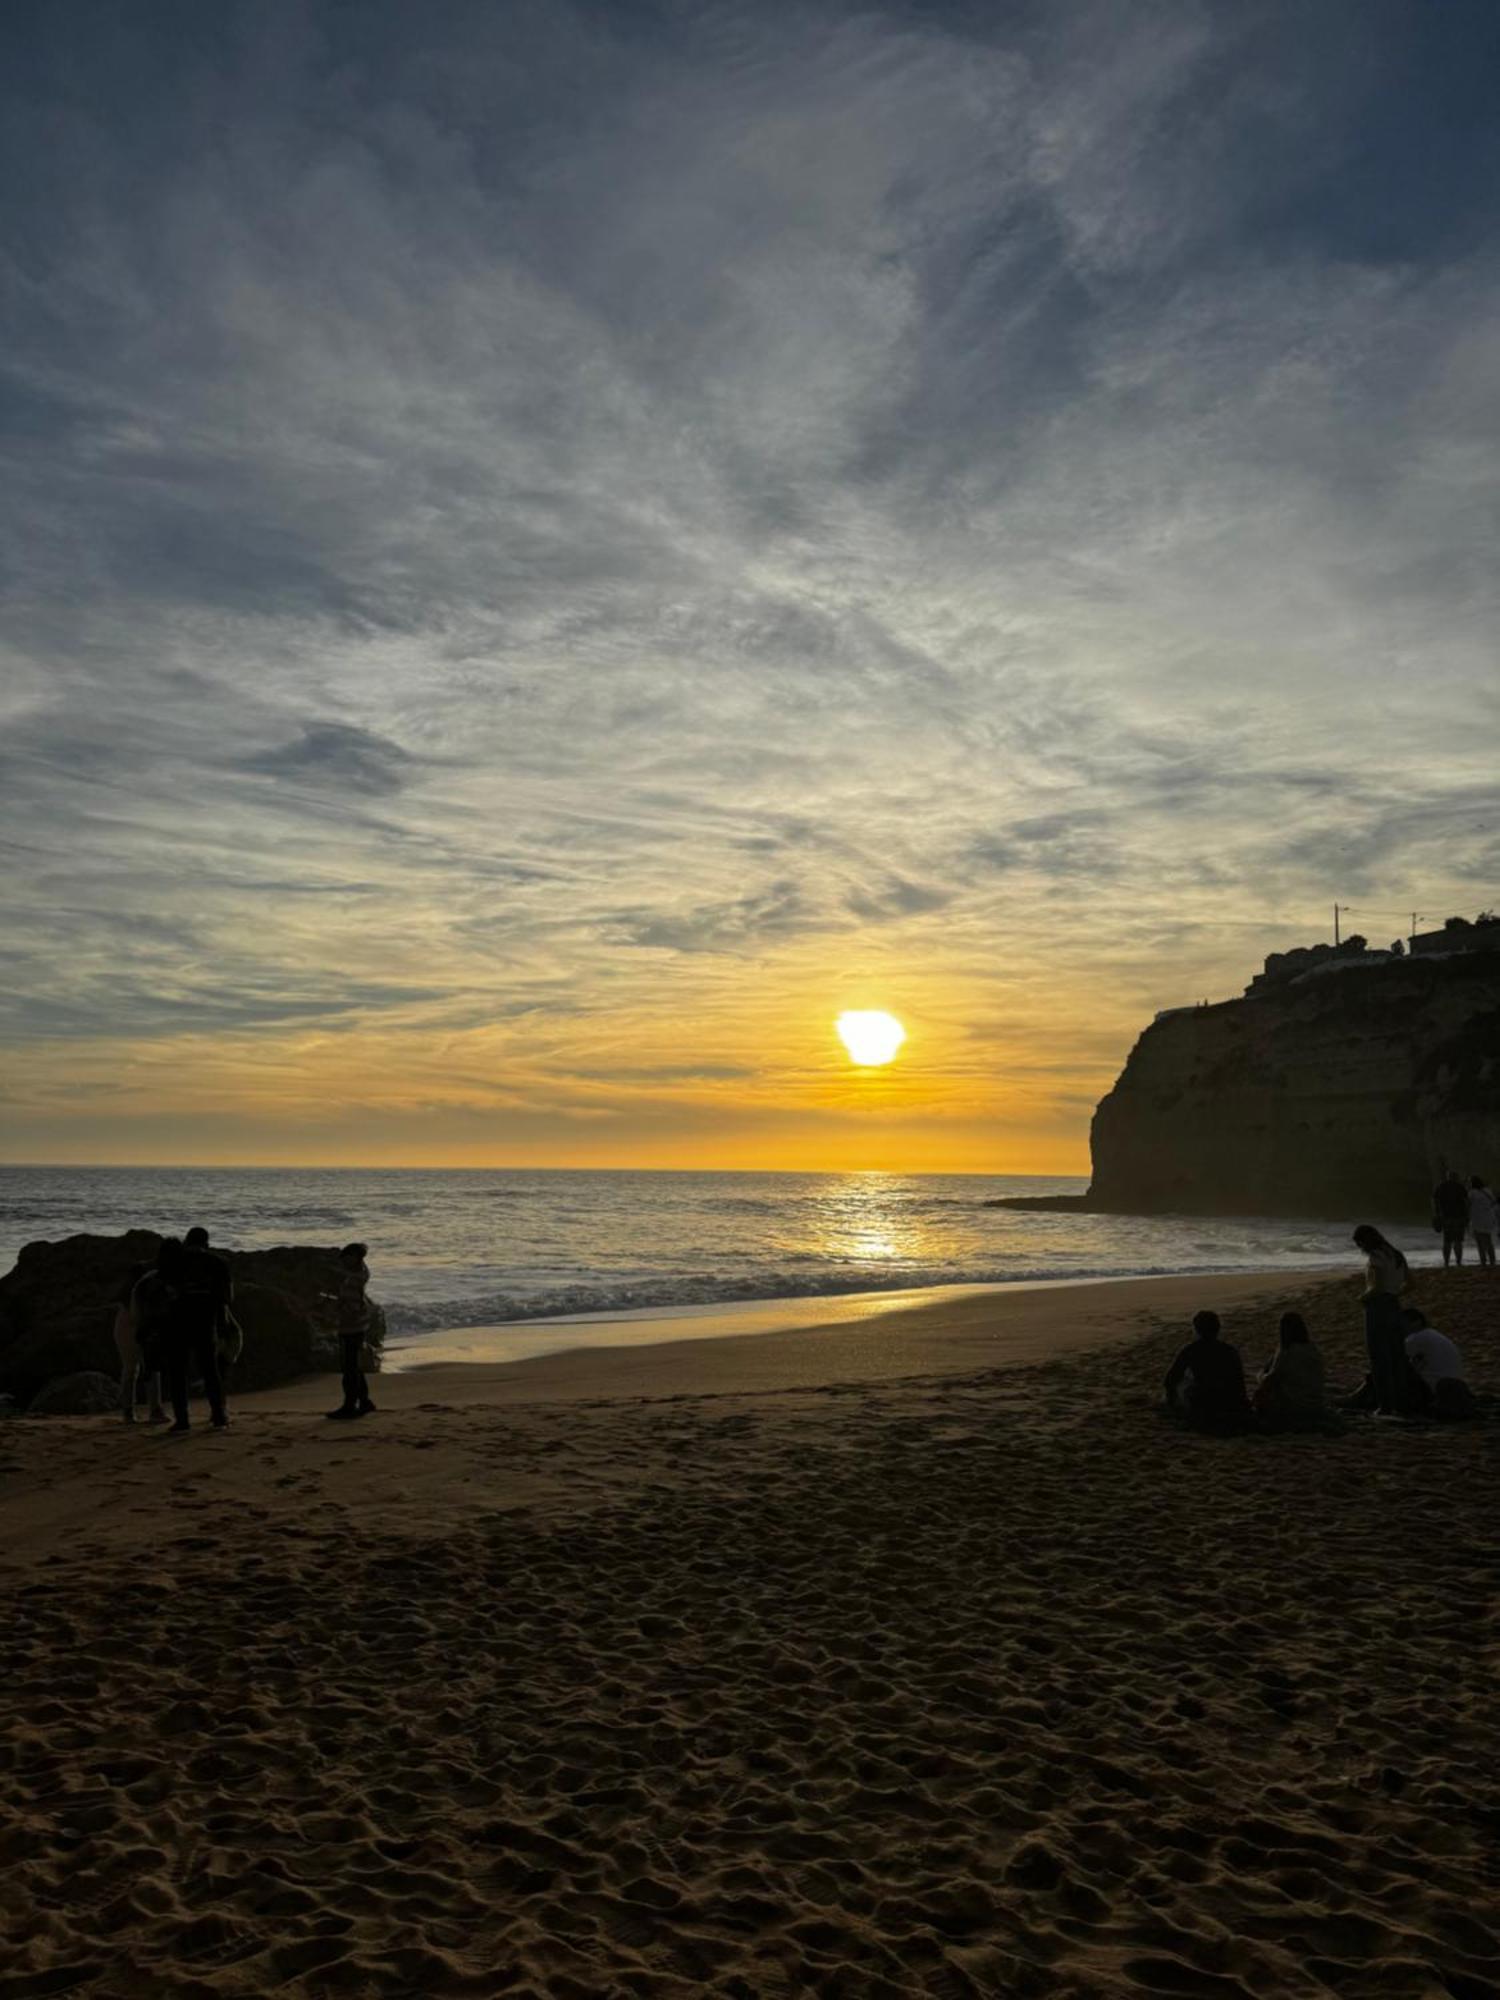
point(1341, 1093)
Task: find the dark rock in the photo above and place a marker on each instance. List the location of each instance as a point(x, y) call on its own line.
point(280, 1338)
point(57, 1310)
point(1077, 1204)
point(62, 1343)
point(84, 1395)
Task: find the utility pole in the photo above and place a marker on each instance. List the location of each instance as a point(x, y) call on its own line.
point(1414, 916)
point(1336, 908)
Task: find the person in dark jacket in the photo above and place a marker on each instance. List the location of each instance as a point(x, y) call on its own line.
point(1450, 1215)
point(201, 1290)
point(1206, 1381)
point(1386, 1275)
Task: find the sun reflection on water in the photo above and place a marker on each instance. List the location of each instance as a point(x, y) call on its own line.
point(871, 1219)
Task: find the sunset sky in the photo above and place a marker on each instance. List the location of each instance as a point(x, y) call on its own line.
point(549, 550)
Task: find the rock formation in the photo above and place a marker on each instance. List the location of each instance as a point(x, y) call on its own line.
point(85, 1395)
point(1342, 1089)
point(57, 1310)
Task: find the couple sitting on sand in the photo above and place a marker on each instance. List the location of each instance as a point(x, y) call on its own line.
point(1205, 1385)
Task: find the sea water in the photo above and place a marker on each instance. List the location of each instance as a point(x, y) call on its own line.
point(463, 1249)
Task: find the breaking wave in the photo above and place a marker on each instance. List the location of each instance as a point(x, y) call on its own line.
point(673, 1294)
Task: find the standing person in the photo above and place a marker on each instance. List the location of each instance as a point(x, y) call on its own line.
point(1206, 1381)
point(1450, 1215)
point(229, 1334)
point(1484, 1219)
point(200, 1282)
point(135, 1332)
point(1386, 1273)
point(354, 1331)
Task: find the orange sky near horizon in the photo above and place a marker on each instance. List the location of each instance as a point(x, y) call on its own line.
point(733, 1084)
point(692, 1062)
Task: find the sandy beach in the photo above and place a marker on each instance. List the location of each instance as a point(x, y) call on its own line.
point(912, 1656)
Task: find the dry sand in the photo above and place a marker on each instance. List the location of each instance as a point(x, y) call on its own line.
point(867, 1662)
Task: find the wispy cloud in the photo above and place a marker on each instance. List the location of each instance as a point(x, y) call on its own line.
point(518, 522)
point(337, 755)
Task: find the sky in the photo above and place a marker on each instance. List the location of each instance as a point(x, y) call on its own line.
point(547, 550)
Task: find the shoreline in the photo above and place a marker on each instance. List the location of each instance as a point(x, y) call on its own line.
point(986, 1328)
point(806, 1314)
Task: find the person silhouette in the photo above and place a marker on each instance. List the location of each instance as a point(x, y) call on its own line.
point(132, 1325)
point(1386, 1273)
point(1437, 1367)
point(1450, 1215)
point(1290, 1393)
point(1206, 1381)
point(354, 1331)
point(1484, 1219)
point(199, 1284)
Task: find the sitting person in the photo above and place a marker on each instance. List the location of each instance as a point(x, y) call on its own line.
point(1290, 1394)
point(1206, 1382)
point(1437, 1367)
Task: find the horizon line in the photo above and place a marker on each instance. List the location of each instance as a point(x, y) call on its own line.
point(336, 1167)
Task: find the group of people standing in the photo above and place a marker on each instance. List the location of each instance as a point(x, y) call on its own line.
point(1414, 1370)
point(175, 1318)
point(1459, 1211)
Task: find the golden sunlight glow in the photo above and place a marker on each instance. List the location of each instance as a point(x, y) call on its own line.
point(870, 1038)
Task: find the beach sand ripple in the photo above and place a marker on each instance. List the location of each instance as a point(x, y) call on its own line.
point(987, 1684)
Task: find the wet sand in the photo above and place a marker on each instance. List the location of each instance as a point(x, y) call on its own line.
point(880, 1660)
point(865, 1339)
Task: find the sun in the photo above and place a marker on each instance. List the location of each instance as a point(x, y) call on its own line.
point(870, 1038)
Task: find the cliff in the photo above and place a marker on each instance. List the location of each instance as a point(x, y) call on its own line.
point(57, 1310)
point(1342, 1092)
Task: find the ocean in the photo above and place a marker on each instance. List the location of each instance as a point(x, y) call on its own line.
point(453, 1250)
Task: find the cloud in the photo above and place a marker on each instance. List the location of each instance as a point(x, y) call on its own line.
point(334, 754)
point(509, 524)
point(734, 926)
point(897, 898)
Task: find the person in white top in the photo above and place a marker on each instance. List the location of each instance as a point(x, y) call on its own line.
point(1438, 1366)
point(1484, 1219)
